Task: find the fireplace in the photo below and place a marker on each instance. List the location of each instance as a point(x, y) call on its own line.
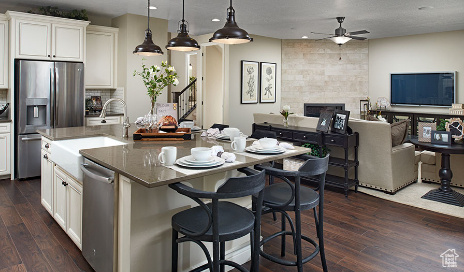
point(315, 109)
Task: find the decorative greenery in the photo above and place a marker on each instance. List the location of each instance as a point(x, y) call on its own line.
point(156, 79)
point(56, 12)
point(441, 124)
point(315, 150)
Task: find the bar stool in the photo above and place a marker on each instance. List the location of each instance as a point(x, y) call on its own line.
point(220, 221)
point(288, 196)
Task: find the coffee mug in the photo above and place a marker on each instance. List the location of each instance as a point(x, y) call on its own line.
point(168, 155)
point(239, 144)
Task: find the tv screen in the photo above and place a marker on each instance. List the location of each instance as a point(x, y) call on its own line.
point(426, 89)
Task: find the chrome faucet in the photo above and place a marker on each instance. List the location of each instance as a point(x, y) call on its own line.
point(125, 124)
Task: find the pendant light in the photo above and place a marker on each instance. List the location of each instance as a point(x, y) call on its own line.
point(148, 48)
point(231, 33)
point(183, 42)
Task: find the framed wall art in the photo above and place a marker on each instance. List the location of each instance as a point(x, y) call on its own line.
point(325, 119)
point(268, 82)
point(424, 131)
point(441, 137)
point(250, 79)
point(340, 121)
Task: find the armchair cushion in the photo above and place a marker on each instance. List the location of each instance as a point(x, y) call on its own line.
point(399, 131)
point(428, 157)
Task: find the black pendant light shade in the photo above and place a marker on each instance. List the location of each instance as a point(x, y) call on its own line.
point(231, 33)
point(183, 42)
point(148, 48)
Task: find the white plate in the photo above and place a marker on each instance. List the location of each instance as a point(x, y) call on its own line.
point(218, 162)
point(222, 137)
point(260, 149)
point(277, 151)
point(191, 159)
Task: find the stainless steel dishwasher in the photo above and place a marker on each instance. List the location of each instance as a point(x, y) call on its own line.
point(99, 217)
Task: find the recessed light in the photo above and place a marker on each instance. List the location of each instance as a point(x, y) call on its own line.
point(215, 20)
point(304, 37)
point(425, 8)
point(152, 7)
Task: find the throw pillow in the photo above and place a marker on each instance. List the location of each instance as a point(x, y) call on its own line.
point(399, 131)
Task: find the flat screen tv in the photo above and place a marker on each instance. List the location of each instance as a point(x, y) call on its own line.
point(423, 89)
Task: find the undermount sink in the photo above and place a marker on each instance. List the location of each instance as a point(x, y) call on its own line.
point(66, 153)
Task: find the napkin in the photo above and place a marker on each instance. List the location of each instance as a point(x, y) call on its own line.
point(228, 157)
point(286, 145)
point(211, 132)
point(139, 121)
point(218, 150)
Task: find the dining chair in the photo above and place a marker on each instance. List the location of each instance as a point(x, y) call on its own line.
point(220, 221)
point(219, 126)
point(291, 196)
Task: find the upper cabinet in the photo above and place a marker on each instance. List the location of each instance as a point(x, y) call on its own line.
point(3, 52)
point(101, 57)
point(47, 38)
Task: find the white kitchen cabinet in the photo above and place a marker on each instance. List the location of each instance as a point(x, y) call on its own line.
point(101, 57)
point(74, 211)
point(5, 152)
point(46, 181)
point(47, 38)
point(96, 121)
point(67, 204)
point(59, 197)
point(3, 52)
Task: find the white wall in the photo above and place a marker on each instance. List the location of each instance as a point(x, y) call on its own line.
point(132, 33)
point(262, 49)
point(213, 93)
point(435, 52)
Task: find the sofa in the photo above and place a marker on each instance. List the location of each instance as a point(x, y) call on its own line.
point(431, 164)
point(381, 166)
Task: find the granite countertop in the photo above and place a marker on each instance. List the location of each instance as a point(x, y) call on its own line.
point(138, 160)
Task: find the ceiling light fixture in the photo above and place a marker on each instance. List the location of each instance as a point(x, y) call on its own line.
point(215, 20)
point(305, 37)
point(152, 7)
point(148, 48)
point(183, 42)
point(231, 33)
point(340, 40)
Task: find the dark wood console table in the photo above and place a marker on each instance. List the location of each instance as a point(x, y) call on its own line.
point(310, 135)
point(443, 194)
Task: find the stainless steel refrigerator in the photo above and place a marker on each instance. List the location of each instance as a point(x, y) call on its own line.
point(47, 95)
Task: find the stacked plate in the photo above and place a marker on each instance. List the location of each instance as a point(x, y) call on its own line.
point(259, 150)
point(189, 161)
point(222, 137)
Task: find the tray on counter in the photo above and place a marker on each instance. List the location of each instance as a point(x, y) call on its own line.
point(181, 134)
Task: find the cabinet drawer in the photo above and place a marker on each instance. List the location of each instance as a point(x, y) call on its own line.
point(306, 137)
point(283, 134)
point(335, 140)
point(46, 144)
point(4, 127)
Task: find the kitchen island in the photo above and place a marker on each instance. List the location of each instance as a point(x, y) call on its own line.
point(145, 205)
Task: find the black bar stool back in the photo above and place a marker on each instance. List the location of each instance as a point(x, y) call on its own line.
point(291, 196)
point(219, 221)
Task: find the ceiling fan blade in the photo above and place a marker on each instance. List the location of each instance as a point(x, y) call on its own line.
point(357, 38)
point(320, 33)
point(358, 32)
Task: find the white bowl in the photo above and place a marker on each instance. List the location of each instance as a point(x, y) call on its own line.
point(201, 153)
point(232, 132)
point(267, 143)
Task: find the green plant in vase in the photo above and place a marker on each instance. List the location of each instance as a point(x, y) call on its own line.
point(156, 78)
point(286, 113)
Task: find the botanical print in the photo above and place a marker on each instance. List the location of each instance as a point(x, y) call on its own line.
point(249, 82)
point(268, 82)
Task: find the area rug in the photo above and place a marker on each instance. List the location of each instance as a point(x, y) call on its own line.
point(411, 195)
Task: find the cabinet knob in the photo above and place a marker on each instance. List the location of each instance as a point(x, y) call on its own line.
point(304, 136)
point(64, 183)
point(332, 140)
point(280, 133)
point(48, 55)
point(54, 56)
point(47, 146)
point(46, 156)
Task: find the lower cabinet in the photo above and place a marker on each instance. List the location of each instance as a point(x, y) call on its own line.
point(5, 154)
point(46, 185)
point(67, 204)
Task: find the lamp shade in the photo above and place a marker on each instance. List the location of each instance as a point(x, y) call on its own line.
point(183, 42)
point(148, 48)
point(340, 39)
point(231, 33)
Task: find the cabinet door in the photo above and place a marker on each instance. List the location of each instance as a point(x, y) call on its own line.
point(67, 43)
point(33, 40)
point(59, 197)
point(5, 154)
point(74, 211)
point(46, 182)
point(96, 121)
point(3, 55)
point(99, 64)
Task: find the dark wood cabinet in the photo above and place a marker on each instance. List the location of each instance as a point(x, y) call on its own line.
point(300, 135)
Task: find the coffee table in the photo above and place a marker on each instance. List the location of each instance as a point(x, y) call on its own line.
point(443, 194)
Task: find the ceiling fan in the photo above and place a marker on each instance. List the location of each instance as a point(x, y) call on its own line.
point(341, 36)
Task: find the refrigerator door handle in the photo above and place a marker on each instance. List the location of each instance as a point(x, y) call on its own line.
point(30, 139)
point(52, 97)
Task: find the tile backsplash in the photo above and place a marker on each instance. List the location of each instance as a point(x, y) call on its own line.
point(106, 95)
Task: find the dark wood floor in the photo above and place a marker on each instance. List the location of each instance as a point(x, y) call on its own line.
point(362, 233)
